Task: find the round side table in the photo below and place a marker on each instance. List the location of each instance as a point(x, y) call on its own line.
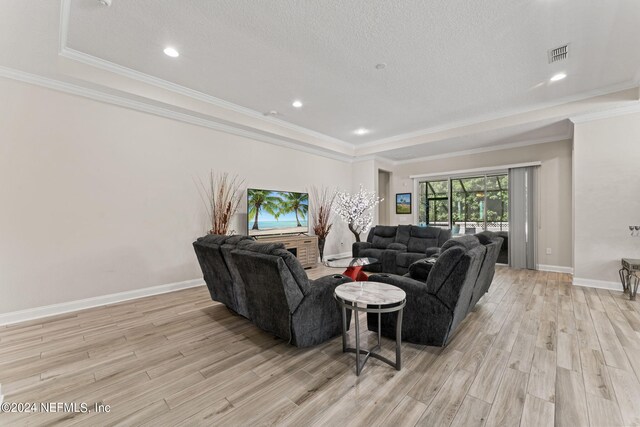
point(368, 297)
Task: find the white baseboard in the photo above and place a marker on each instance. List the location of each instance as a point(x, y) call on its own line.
point(554, 268)
point(601, 284)
point(340, 255)
point(66, 307)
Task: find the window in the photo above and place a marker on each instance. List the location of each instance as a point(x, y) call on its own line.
point(436, 209)
point(467, 205)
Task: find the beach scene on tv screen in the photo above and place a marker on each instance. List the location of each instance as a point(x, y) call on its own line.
point(276, 212)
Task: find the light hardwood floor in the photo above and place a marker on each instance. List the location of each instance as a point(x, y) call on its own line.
point(536, 351)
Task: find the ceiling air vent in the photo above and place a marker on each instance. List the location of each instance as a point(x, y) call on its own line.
point(558, 54)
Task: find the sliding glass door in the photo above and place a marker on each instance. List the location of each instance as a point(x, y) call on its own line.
point(467, 205)
point(435, 208)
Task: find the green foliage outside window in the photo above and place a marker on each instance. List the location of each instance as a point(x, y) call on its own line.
point(473, 200)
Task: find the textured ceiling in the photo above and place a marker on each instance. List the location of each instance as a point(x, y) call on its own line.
point(447, 61)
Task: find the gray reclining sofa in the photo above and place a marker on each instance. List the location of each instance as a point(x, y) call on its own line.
point(460, 276)
point(397, 247)
point(266, 283)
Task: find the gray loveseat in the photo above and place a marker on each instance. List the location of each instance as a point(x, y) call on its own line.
point(460, 276)
point(397, 247)
point(265, 283)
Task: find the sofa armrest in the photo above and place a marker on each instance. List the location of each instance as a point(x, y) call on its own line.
point(330, 281)
point(320, 305)
point(358, 246)
point(420, 270)
point(397, 247)
point(433, 251)
point(388, 260)
point(417, 294)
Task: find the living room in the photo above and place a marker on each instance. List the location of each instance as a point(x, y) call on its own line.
point(116, 114)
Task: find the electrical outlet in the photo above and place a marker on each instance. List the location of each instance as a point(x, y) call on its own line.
point(548, 251)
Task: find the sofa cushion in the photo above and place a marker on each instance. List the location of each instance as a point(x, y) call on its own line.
point(405, 259)
point(420, 245)
point(422, 238)
point(403, 234)
point(383, 236)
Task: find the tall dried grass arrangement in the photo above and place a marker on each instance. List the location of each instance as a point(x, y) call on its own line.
point(322, 200)
point(221, 195)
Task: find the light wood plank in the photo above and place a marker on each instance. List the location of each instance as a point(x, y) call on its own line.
point(571, 406)
point(627, 390)
point(509, 402)
point(542, 381)
point(446, 403)
point(473, 412)
point(488, 379)
point(537, 412)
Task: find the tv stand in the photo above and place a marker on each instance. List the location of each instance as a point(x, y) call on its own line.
point(304, 247)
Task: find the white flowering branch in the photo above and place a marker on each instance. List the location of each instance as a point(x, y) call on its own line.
point(357, 210)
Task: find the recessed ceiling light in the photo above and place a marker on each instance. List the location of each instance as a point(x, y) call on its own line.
point(169, 51)
point(361, 131)
point(558, 77)
point(297, 104)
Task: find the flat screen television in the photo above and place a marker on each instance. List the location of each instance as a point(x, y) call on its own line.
point(276, 212)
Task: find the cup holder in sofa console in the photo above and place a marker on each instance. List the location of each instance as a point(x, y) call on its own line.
point(337, 276)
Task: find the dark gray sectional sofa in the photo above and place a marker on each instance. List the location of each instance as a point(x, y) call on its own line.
point(266, 284)
point(460, 276)
point(397, 247)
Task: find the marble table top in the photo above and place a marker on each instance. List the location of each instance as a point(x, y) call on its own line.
point(370, 293)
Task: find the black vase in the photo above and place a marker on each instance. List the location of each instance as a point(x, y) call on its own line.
point(321, 248)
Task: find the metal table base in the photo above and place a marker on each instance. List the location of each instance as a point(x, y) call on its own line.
point(371, 352)
point(630, 268)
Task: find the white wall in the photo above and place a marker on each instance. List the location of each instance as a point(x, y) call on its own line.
point(607, 201)
point(555, 218)
point(98, 199)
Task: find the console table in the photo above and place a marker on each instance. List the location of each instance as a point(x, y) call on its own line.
point(305, 248)
point(630, 268)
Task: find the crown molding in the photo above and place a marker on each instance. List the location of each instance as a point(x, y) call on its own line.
point(93, 61)
point(482, 170)
point(501, 115)
point(486, 149)
point(65, 51)
point(144, 107)
point(612, 112)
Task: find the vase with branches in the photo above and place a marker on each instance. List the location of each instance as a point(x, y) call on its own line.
point(221, 195)
point(357, 210)
point(323, 200)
